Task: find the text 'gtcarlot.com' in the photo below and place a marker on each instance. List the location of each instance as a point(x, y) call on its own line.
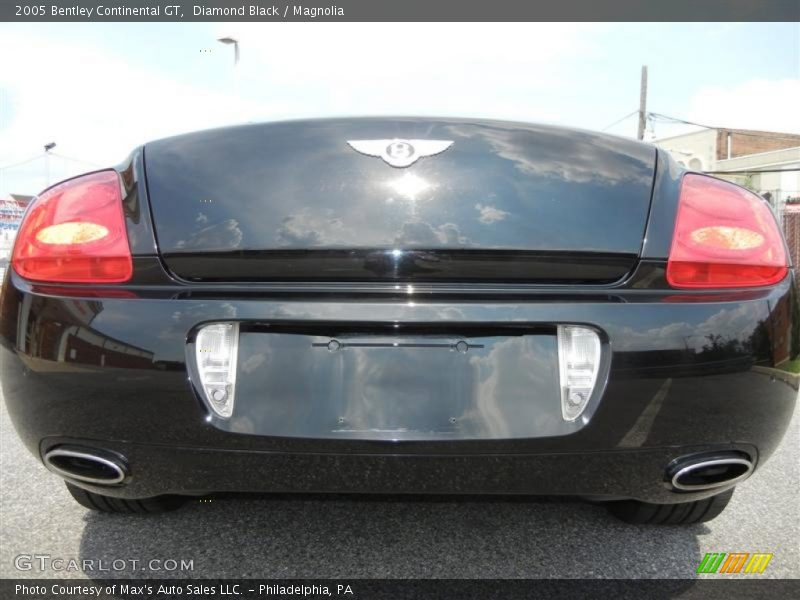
point(46, 562)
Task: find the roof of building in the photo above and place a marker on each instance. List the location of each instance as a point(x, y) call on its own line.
point(756, 132)
point(22, 199)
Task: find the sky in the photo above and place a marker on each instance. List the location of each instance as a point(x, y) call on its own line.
point(98, 90)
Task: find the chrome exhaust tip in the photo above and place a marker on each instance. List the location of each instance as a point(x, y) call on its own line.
point(86, 465)
point(697, 473)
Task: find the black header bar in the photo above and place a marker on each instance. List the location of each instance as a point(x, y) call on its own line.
point(398, 10)
point(395, 589)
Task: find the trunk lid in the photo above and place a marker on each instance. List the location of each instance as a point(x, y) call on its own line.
point(293, 201)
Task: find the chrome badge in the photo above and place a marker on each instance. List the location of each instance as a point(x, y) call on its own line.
point(400, 153)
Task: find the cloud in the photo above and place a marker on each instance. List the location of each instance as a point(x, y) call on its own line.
point(580, 157)
point(763, 104)
point(98, 102)
point(506, 376)
point(735, 322)
point(319, 227)
point(409, 68)
point(422, 234)
point(99, 99)
point(295, 231)
point(490, 214)
point(96, 106)
point(225, 235)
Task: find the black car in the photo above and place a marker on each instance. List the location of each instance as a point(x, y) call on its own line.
point(400, 305)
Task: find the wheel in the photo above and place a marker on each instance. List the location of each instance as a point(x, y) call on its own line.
point(684, 513)
point(108, 504)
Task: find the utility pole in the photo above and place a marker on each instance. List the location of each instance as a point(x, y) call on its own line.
point(643, 103)
point(47, 148)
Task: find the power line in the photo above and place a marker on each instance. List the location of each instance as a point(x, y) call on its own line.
point(629, 115)
point(77, 160)
point(70, 158)
point(667, 118)
point(23, 162)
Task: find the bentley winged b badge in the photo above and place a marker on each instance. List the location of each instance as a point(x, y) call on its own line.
point(400, 153)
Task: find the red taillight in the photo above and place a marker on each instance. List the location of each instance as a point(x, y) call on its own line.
point(75, 233)
point(724, 237)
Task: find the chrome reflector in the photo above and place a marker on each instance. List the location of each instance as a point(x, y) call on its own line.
point(216, 350)
point(578, 363)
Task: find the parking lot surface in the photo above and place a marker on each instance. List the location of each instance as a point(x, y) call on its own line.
point(396, 537)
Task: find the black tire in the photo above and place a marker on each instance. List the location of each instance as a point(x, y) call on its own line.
point(684, 513)
point(109, 504)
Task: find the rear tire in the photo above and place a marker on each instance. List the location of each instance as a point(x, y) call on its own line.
point(684, 513)
point(109, 504)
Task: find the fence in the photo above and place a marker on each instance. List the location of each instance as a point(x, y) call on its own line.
point(6, 242)
point(786, 205)
point(790, 220)
point(11, 212)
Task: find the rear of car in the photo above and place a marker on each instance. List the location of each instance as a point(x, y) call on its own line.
point(328, 306)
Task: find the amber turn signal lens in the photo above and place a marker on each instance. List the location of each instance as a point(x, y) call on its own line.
point(727, 238)
point(71, 233)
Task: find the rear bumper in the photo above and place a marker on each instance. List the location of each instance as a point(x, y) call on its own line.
point(155, 470)
point(111, 373)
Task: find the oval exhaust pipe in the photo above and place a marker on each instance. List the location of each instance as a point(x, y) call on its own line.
point(692, 474)
point(86, 465)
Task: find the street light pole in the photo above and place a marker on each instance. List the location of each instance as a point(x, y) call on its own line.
point(229, 40)
point(235, 74)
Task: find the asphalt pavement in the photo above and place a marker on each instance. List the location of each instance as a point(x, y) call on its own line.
point(394, 537)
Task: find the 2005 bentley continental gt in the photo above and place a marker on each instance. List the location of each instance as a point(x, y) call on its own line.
point(400, 305)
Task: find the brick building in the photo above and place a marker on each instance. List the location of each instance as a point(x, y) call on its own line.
point(732, 143)
point(702, 150)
